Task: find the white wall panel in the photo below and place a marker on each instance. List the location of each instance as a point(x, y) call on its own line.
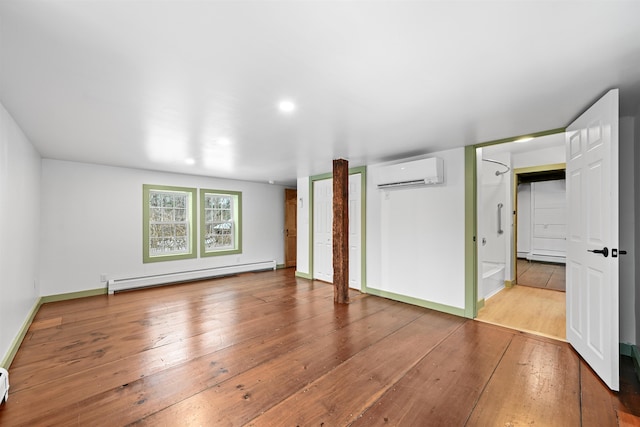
point(415, 237)
point(19, 229)
point(92, 224)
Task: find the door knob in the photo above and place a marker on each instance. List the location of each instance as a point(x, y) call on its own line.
point(604, 251)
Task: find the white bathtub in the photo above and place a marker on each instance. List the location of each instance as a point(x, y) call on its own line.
point(492, 278)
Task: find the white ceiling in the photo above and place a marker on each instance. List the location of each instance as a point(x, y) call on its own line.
point(150, 84)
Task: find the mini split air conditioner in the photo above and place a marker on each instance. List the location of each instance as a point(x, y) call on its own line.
point(411, 174)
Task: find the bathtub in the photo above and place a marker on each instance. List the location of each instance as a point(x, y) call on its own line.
point(492, 278)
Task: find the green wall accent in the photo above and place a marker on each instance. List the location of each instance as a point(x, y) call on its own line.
point(146, 258)
point(15, 345)
point(362, 170)
point(237, 220)
point(73, 295)
point(470, 227)
point(416, 301)
point(632, 351)
point(304, 275)
point(471, 215)
point(516, 138)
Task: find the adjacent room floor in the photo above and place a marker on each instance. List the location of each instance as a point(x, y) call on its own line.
point(537, 304)
point(541, 275)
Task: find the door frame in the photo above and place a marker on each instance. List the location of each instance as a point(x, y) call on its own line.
point(542, 168)
point(471, 216)
point(362, 170)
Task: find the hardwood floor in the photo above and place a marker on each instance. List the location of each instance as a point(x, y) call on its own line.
point(541, 275)
point(268, 349)
point(527, 309)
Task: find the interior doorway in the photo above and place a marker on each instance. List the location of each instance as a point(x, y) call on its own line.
point(520, 285)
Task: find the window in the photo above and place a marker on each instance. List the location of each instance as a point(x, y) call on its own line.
point(220, 222)
point(169, 231)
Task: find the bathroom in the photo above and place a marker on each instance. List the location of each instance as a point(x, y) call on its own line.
point(497, 203)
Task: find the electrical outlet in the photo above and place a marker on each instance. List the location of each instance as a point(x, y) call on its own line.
point(103, 278)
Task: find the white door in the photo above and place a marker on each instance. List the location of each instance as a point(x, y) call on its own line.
point(592, 225)
point(323, 230)
point(355, 230)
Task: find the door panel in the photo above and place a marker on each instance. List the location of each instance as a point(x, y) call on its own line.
point(290, 227)
point(323, 230)
point(592, 212)
point(355, 204)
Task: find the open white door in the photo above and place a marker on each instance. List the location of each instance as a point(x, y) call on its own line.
point(592, 233)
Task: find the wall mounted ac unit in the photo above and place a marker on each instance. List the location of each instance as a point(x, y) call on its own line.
point(411, 174)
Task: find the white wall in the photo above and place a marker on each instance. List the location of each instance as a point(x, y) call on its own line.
point(20, 229)
point(493, 247)
point(302, 263)
point(495, 190)
point(545, 156)
point(92, 224)
point(627, 231)
point(415, 237)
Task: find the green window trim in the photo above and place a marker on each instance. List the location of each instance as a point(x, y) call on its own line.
point(190, 208)
point(235, 219)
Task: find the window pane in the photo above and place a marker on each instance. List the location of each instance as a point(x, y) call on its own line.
point(181, 230)
point(155, 230)
point(155, 199)
point(219, 231)
point(167, 215)
point(180, 215)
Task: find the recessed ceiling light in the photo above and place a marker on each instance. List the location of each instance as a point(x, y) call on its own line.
point(286, 106)
point(190, 161)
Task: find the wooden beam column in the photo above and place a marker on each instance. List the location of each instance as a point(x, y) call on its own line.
point(341, 231)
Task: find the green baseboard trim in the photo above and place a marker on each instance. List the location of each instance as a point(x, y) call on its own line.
point(279, 266)
point(626, 349)
point(632, 351)
point(73, 295)
point(636, 360)
point(480, 304)
point(15, 345)
point(509, 283)
point(303, 275)
point(416, 301)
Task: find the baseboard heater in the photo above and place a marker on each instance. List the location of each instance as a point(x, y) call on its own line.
point(116, 285)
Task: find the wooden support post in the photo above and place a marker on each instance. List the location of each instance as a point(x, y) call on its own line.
point(341, 231)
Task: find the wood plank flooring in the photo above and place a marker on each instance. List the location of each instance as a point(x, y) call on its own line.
point(527, 309)
point(268, 349)
point(541, 275)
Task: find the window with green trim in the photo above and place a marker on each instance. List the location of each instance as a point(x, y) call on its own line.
point(169, 228)
point(220, 222)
